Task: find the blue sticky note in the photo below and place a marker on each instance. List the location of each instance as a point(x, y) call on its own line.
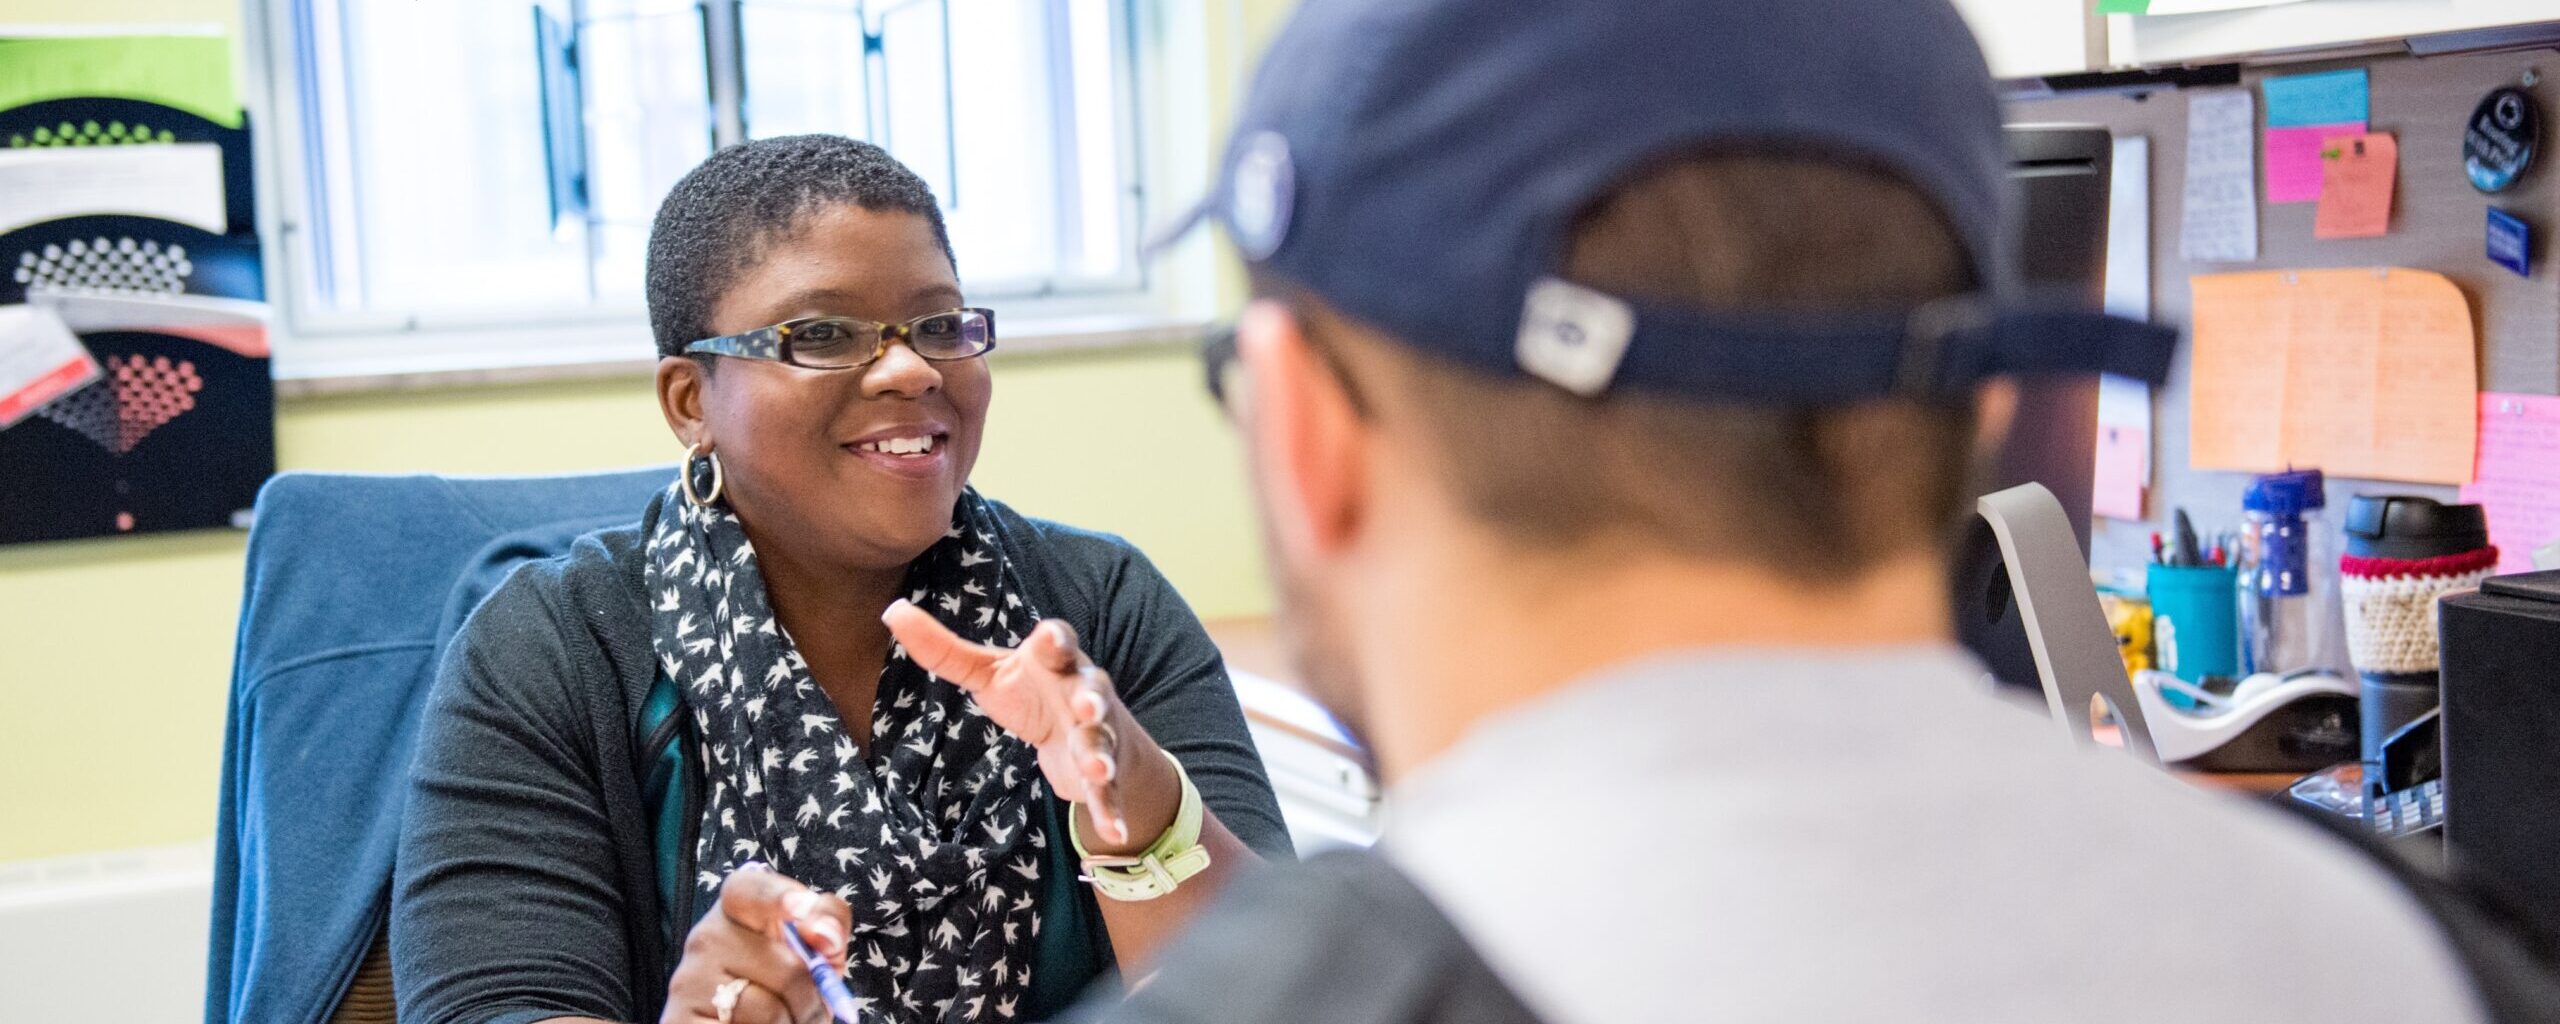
point(2510, 242)
point(2329, 97)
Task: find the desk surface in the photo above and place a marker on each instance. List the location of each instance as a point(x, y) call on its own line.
point(2252, 783)
point(1253, 645)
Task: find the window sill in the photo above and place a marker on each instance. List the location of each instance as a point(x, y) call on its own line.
point(311, 368)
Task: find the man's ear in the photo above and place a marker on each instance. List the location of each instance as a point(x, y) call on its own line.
point(680, 382)
point(1995, 409)
point(1308, 443)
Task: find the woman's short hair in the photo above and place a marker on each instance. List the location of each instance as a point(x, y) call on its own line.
point(726, 214)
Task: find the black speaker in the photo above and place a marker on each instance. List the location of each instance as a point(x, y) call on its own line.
point(2501, 722)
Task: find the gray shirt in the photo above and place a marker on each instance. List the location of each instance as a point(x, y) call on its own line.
point(1805, 835)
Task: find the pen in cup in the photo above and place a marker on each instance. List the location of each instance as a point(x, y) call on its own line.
point(2187, 551)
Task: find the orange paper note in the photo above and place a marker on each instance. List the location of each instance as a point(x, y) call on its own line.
point(2361, 373)
point(2356, 173)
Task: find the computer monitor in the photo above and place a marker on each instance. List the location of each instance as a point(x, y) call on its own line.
point(2061, 174)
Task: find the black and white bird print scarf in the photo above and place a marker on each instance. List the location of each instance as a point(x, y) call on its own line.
point(935, 838)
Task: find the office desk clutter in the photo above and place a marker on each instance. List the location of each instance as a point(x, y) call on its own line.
point(2255, 634)
point(2395, 751)
point(2206, 713)
point(2246, 626)
point(2234, 621)
point(2252, 621)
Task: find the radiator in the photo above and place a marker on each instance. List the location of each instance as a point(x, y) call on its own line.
point(107, 936)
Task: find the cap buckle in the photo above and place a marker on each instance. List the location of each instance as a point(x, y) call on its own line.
point(1573, 337)
point(1261, 191)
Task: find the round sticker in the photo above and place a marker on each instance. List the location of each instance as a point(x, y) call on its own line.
point(2498, 145)
point(1260, 188)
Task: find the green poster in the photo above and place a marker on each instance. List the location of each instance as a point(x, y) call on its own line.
point(190, 73)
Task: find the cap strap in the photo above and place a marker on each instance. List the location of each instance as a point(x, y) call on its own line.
point(2032, 339)
point(1941, 350)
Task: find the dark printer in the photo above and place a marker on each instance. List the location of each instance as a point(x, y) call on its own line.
point(2501, 732)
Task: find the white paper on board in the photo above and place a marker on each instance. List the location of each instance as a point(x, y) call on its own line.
point(2129, 229)
point(2220, 220)
point(179, 182)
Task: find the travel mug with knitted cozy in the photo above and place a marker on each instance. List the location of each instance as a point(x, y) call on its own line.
point(2402, 554)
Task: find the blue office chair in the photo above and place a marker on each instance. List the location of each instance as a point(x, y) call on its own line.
point(354, 585)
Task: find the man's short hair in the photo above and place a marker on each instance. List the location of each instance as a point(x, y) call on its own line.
point(725, 215)
point(1818, 494)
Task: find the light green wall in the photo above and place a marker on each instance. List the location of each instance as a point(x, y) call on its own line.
point(161, 13)
point(119, 650)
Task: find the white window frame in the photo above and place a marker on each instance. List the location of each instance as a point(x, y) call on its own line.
point(1170, 298)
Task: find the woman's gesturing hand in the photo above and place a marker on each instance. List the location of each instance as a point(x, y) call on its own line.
point(1047, 693)
point(740, 948)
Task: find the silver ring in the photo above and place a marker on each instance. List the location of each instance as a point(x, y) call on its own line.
point(724, 1000)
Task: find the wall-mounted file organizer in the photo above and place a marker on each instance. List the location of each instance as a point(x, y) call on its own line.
point(112, 121)
point(131, 223)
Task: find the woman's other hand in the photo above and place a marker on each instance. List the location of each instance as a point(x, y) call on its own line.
point(743, 942)
point(1047, 693)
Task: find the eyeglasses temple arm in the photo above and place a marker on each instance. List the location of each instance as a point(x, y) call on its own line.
point(763, 342)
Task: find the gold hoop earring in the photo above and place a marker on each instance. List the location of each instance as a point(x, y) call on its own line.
point(700, 452)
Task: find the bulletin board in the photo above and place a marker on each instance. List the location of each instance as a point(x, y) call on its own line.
point(2436, 225)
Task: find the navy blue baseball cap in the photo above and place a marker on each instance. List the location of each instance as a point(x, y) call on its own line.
point(1419, 163)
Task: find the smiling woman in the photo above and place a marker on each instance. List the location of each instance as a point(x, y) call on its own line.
point(649, 763)
point(797, 442)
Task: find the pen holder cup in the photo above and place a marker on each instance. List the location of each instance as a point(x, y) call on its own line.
point(2195, 619)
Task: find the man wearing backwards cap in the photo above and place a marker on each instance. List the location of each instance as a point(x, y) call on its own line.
point(1611, 388)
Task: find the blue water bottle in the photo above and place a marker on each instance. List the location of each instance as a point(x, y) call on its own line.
point(2286, 607)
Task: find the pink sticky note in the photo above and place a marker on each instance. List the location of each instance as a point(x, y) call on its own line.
point(2517, 481)
point(2116, 489)
point(2293, 160)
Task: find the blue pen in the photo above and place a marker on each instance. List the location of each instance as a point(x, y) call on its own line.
point(831, 988)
